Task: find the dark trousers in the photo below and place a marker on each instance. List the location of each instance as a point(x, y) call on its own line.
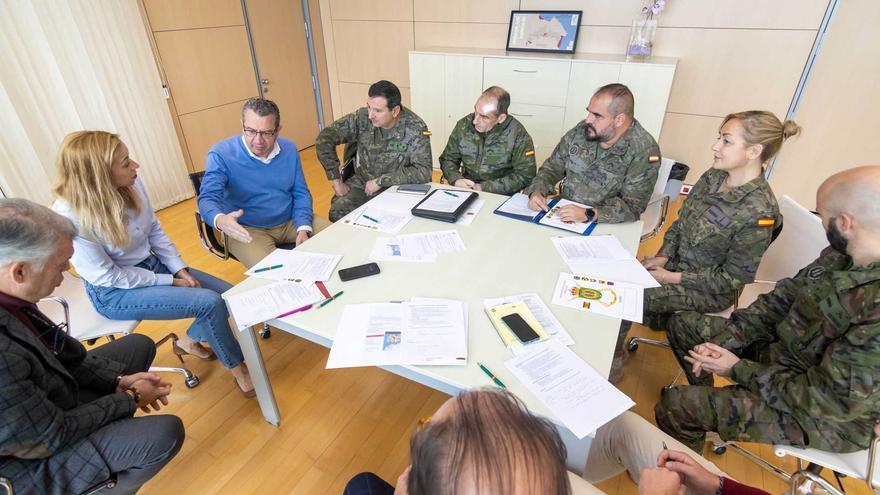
point(135, 449)
point(368, 484)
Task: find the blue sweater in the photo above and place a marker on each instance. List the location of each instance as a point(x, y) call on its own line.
point(270, 194)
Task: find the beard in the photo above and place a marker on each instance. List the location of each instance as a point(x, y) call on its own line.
point(837, 241)
point(593, 135)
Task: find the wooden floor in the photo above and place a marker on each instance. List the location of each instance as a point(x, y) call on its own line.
point(341, 422)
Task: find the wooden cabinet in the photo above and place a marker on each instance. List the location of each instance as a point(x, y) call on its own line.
point(549, 93)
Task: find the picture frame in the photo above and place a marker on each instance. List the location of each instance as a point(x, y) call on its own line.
point(553, 31)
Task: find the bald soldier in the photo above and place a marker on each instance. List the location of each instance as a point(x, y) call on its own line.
point(608, 162)
point(489, 150)
point(805, 357)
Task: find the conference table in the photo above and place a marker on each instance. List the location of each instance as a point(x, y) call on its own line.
point(503, 257)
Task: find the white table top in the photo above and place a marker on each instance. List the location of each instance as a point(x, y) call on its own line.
point(503, 257)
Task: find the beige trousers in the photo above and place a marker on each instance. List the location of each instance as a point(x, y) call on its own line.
point(264, 240)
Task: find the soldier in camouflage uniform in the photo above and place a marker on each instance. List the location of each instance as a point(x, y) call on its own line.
point(392, 148)
point(609, 162)
point(725, 225)
point(806, 357)
point(489, 150)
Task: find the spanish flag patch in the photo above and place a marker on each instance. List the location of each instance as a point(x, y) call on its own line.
point(766, 222)
point(653, 159)
point(530, 152)
point(426, 133)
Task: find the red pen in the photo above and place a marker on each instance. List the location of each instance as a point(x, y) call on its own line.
point(297, 310)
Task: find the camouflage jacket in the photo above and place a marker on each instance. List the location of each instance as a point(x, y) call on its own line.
point(617, 181)
point(501, 160)
point(401, 155)
point(719, 237)
point(817, 337)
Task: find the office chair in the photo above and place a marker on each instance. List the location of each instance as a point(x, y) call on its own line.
point(654, 216)
point(86, 324)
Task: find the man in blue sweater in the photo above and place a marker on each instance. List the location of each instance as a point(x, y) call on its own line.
point(254, 189)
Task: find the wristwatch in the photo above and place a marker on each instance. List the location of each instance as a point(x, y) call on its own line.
point(591, 214)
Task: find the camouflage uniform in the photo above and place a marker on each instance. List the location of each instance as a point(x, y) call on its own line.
point(617, 181)
point(716, 243)
point(401, 155)
point(502, 160)
point(810, 368)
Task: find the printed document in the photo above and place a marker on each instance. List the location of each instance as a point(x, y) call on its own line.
point(379, 220)
point(296, 266)
point(602, 257)
point(518, 205)
point(581, 399)
point(605, 297)
point(267, 302)
point(540, 310)
point(444, 201)
point(467, 217)
point(552, 218)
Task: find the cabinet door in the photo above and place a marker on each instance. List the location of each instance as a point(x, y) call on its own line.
point(544, 125)
point(650, 85)
point(535, 82)
point(463, 85)
point(586, 78)
point(426, 76)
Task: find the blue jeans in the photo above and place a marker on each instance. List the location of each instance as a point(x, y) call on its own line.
point(166, 302)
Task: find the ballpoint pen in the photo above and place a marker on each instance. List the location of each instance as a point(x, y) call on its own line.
point(297, 310)
point(451, 194)
point(267, 268)
point(370, 219)
point(326, 302)
point(491, 375)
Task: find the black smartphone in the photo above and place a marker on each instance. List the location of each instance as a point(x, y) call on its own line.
point(359, 271)
point(520, 328)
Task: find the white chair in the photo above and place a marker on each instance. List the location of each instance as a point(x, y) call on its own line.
point(86, 324)
point(654, 215)
point(858, 465)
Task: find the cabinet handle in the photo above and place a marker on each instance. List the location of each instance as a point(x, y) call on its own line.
point(521, 114)
point(525, 71)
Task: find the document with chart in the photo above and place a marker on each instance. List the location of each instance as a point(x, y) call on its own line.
point(605, 297)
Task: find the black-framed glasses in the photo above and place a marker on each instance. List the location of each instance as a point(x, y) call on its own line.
point(265, 134)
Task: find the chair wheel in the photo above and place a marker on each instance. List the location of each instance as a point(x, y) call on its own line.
point(265, 333)
point(719, 449)
point(633, 345)
point(191, 382)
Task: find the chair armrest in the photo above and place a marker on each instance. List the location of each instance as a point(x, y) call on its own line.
point(6, 485)
point(221, 249)
point(65, 327)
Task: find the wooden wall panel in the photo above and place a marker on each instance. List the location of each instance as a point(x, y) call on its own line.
point(373, 10)
point(689, 139)
point(354, 96)
point(369, 51)
point(839, 108)
point(167, 15)
point(202, 128)
point(460, 34)
point(191, 58)
point(488, 11)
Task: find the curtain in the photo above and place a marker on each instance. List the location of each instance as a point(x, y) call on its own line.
point(68, 65)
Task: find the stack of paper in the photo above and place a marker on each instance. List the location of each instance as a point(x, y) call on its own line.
point(388, 212)
point(541, 312)
point(422, 247)
point(605, 297)
point(603, 257)
point(270, 301)
point(418, 332)
point(572, 390)
point(295, 266)
point(496, 313)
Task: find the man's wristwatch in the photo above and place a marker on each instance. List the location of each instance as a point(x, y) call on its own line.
point(591, 214)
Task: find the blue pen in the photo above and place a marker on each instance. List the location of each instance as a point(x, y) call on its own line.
point(451, 194)
point(370, 219)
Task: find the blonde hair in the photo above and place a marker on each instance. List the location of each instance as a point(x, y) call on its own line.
point(764, 128)
point(84, 163)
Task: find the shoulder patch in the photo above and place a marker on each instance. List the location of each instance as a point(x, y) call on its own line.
point(530, 152)
point(653, 159)
point(766, 222)
point(426, 132)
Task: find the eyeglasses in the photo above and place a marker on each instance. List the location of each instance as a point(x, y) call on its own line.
point(265, 134)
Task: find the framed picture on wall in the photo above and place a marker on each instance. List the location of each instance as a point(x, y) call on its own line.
point(553, 31)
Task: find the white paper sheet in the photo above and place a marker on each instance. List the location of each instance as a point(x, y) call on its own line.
point(605, 297)
point(540, 310)
point(444, 201)
point(602, 257)
point(467, 217)
point(423, 332)
point(552, 218)
point(425, 243)
point(378, 219)
point(296, 266)
point(269, 301)
point(389, 249)
point(518, 204)
point(569, 387)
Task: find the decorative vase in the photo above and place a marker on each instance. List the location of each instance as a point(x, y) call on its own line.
point(641, 39)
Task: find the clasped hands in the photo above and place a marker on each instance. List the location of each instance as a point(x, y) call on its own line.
point(341, 188)
point(711, 358)
point(152, 391)
point(468, 184)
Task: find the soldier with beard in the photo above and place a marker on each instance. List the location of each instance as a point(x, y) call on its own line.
point(608, 162)
point(804, 357)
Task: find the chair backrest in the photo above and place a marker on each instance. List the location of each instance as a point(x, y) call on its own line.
point(800, 242)
point(85, 322)
point(349, 155)
point(196, 179)
point(662, 177)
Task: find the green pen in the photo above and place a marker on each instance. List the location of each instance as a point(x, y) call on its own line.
point(451, 194)
point(266, 269)
point(334, 296)
point(491, 375)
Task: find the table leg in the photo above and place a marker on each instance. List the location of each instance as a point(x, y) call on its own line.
point(578, 449)
point(257, 368)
